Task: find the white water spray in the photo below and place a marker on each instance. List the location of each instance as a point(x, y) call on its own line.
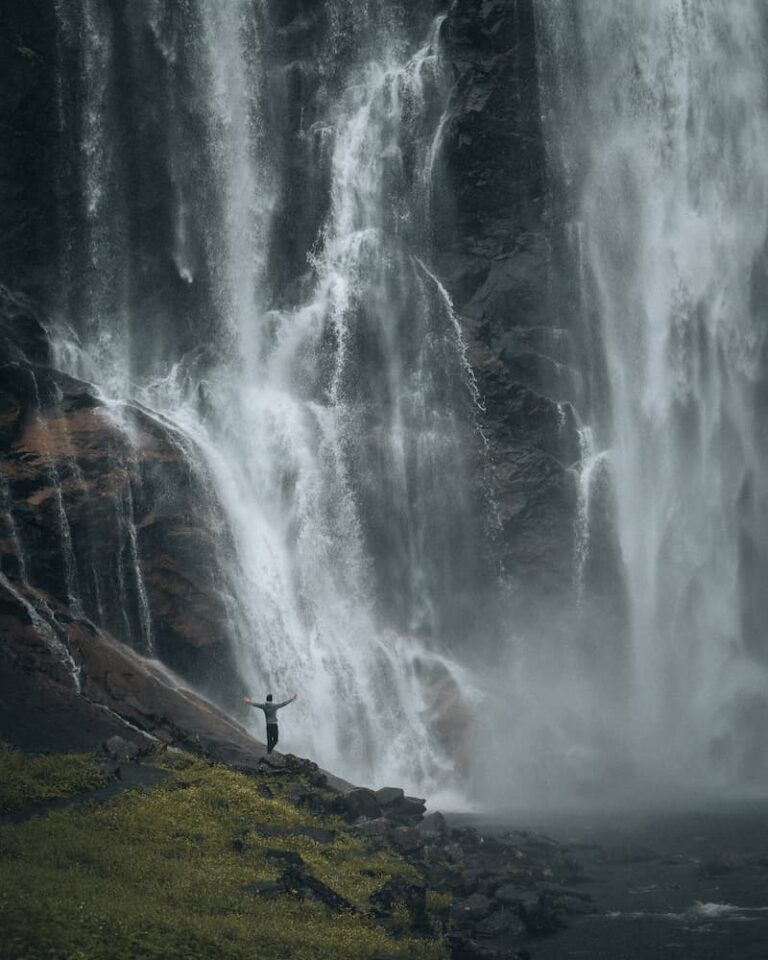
point(335, 430)
point(657, 119)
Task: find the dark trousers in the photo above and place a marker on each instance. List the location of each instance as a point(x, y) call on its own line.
point(271, 736)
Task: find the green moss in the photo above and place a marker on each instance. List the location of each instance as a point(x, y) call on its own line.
point(153, 874)
point(438, 901)
point(29, 54)
point(29, 780)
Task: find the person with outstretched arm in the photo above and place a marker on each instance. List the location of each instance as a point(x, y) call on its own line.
point(270, 713)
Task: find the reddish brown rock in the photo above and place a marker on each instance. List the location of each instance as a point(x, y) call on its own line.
point(64, 683)
point(101, 508)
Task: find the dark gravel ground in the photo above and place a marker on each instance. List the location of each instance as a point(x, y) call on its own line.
point(684, 885)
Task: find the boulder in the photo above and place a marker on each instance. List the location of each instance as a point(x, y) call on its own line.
point(473, 908)
point(433, 827)
point(386, 796)
point(509, 894)
point(379, 827)
point(502, 923)
point(542, 918)
point(407, 839)
point(360, 802)
point(407, 810)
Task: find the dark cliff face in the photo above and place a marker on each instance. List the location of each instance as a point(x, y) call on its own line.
point(494, 247)
point(136, 500)
point(28, 144)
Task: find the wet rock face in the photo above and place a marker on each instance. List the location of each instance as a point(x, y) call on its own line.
point(28, 128)
point(494, 253)
point(100, 509)
point(492, 240)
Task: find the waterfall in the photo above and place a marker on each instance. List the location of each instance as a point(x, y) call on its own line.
point(249, 259)
point(657, 125)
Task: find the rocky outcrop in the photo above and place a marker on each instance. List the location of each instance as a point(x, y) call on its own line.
point(102, 509)
point(65, 683)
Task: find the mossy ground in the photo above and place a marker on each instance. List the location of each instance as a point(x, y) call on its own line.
point(28, 780)
point(153, 874)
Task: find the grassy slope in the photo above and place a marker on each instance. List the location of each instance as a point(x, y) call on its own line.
point(153, 873)
point(26, 780)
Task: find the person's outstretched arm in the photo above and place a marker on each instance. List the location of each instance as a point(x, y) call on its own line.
point(251, 703)
point(286, 702)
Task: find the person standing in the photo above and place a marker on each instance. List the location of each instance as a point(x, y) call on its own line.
point(270, 714)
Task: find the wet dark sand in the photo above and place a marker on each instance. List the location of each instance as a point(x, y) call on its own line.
point(703, 896)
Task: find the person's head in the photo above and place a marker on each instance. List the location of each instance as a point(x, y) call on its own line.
point(269, 698)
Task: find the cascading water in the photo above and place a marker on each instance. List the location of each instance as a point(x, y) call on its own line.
point(657, 126)
point(308, 357)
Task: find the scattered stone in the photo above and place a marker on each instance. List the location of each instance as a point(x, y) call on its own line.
point(407, 839)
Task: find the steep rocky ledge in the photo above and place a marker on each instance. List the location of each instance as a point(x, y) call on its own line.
point(100, 509)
